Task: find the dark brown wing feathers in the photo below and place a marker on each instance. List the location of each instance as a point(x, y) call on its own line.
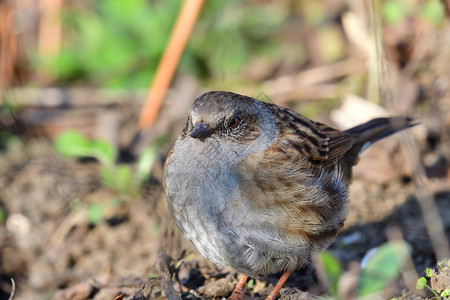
point(323, 144)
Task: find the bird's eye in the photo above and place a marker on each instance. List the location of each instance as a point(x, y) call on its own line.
point(234, 122)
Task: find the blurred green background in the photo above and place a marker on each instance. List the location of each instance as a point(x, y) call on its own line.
point(118, 43)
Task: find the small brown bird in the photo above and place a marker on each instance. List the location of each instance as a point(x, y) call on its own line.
point(259, 187)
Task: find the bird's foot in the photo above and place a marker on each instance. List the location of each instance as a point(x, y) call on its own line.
point(238, 292)
point(279, 285)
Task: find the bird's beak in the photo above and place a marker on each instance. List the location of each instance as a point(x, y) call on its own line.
point(201, 131)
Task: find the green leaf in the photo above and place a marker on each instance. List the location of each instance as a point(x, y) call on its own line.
point(109, 177)
point(72, 143)
point(147, 158)
point(63, 65)
point(104, 152)
point(445, 293)
point(383, 267)
point(90, 36)
point(429, 272)
point(394, 11)
point(250, 284)
point(121, 11)
point(433, 11)
point(421, 283)
point(95, 213)
point(145, 163)
point(124, 175)
point(119, 178)
point(332, 268)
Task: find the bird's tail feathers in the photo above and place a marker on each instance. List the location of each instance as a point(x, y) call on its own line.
point(377, 129)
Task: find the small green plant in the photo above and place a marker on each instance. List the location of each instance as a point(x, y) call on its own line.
point(445, 293)
point(95, 213)
point(250, 284)
point(422, 283)
point(381, 269)
point(332, 268)
point(120, 177)
point(72, 143)
point(430, 273)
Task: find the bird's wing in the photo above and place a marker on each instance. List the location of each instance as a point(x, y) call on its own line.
point(292, 188)
point(318, 143)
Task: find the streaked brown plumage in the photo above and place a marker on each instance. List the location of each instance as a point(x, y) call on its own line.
point(259, 187)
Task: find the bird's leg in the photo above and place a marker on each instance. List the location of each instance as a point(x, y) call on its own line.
point(279, 285)
point(238, 292)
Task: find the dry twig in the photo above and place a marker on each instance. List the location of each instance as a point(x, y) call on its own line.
point(169, 61)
